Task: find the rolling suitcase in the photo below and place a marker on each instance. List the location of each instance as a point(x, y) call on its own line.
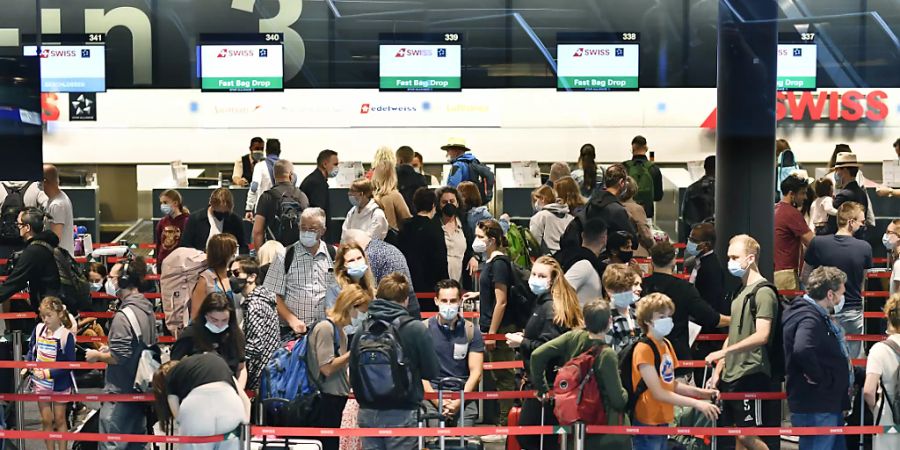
point(454, 443)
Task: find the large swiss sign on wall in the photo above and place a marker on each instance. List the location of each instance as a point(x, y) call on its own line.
point(500, 125)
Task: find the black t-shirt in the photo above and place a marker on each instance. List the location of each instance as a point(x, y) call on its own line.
point(494, 272)
point(269, 201)
point(688, 306)
point(847, 253)
point(187, 345)
point(198, 370)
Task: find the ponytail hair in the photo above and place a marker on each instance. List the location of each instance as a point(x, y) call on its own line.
point(588, 164)
point(56, 305)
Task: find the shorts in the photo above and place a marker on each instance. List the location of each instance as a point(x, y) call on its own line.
point(750, 413)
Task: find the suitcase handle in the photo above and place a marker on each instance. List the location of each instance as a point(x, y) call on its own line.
point(451, 384)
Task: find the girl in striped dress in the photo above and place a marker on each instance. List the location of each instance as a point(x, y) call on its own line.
point(53, 341)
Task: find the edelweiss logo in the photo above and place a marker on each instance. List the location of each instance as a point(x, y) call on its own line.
point(367, 108)
point(578, 53)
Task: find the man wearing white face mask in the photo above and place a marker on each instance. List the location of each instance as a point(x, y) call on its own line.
point(744, 363)
point(819, 373)
point(302, 276)
point(459, 347)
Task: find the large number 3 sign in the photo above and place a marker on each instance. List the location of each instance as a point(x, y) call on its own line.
point(288, 14)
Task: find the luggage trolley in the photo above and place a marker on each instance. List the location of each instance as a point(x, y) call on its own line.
point(450, 384)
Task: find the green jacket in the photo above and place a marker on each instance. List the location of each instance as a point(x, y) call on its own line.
point(570, 345)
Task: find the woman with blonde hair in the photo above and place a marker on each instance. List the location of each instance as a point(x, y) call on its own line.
point(550, 219)
point(366, 214)
point(384, 180)
point(557, 312)
point(351, 268)
point(327, 357)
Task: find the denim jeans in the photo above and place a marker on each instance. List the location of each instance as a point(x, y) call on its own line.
point(649, 442)
point(824, 442)
point(122, 418)
point(851, 320)
point(388, 418)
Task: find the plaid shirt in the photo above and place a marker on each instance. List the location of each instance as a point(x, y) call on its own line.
point(303, 287)
point(623, 333)
point(385, 259)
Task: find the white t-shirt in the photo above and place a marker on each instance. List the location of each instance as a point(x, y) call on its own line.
point(895, 276)
point(60, 210)
point(884, 362)
point(585, 280)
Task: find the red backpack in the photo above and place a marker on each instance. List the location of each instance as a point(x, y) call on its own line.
point(576, 393)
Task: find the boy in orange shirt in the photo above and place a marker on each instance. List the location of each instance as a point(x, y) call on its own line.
point(656, 406)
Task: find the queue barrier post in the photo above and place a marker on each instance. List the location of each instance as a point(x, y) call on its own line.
point(578, 431)
point(246, 436)
point(18, 382)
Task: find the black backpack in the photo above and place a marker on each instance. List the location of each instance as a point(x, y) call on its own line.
point(775, 346)
point(74, 288)
point(483, 178)
point(285, 226)
point(520, 301)
point(380, 373)
point(12, 205)
point(626, 360)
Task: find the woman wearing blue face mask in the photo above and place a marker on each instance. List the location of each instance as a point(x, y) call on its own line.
point(557, 312)
point(215, 329)
point(327, 357)
point(351, 268)
point(260, 317)
point(365, 214)
point(623, 289)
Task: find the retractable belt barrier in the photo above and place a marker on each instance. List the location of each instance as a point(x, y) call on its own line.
point(98, 437)
point(284, 432)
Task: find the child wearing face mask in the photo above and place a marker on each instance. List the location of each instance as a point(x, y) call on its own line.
point(653, 375)
point(215, 329)
point(623, 289)
point(260, 324)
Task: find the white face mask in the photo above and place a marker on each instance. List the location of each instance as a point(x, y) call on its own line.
point(309, 239)
point(840, 306)
point(216, 329)
point(449, 312)
point(111, 288)
point(662, 327)
point(479, 246)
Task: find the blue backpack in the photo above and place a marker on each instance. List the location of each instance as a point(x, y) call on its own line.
point(786, 165)
point(288, 388)
point(380, 373)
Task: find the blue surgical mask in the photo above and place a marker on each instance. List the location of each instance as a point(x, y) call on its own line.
point(96, 287)
point(691, 249)
point(309, 239)
point(358, 271)
point(735, 268)
point(165, 208)
point(623, 299)
point(662, 327)
point(886, 240)
point(449, 312)
point(837, 179)
point(538, 285)
point(334, 172)
point(215, 329)
point(353, 200)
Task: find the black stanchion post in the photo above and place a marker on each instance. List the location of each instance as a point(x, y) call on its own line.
point(20, 406)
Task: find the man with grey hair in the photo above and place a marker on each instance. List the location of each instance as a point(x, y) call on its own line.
point(558, 170)
point(301, 277)
point(278, 209)
point(817, 361)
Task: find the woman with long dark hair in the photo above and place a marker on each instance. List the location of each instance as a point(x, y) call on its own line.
point(215, 329)
point(586, 173)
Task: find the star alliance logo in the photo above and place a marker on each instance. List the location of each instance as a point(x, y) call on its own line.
point(85, 53)
point(798, 51)
point(84, 107)
point(263, 53)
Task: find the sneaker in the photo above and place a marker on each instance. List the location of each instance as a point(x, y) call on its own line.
point(81, 417)
point(493, 439)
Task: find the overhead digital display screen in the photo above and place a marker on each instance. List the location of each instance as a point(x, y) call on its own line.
point(598, 61)
point(420, 62)
point(71, 63)
point(241, 62)
point(796, 62)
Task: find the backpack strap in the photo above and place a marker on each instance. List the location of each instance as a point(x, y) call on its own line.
point(337, 338)
point(470, 329)
point(751, 298)
point(133, 321)
point(884, 393)
point(657, 360)
point(289, 257)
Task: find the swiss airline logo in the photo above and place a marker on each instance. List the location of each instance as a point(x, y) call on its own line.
point(585, 52)
point(230, 53)
point(824, 106)
point(49, 53)
point(409, 52)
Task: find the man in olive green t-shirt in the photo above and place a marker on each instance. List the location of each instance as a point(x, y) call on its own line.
point(743, 363)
